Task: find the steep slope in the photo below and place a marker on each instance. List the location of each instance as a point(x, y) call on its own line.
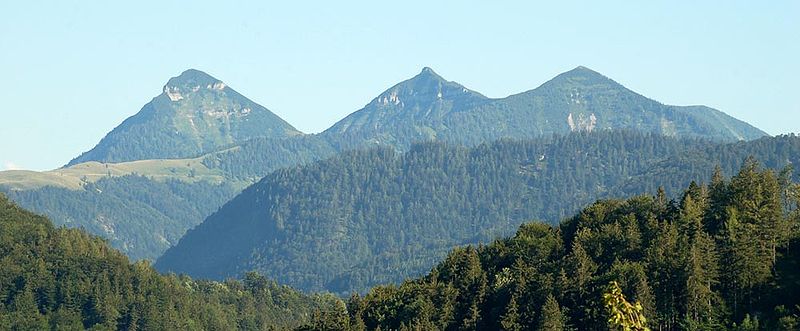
point(582, 99)
point(195, 114)
point(143, 207)
point(427, 107)
point(64, 279)
point(371, 217)
point(413, 110)
point(139, 216)
point(665, 255)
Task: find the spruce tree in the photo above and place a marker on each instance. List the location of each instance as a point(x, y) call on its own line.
point(551, 317)
point(510, 321)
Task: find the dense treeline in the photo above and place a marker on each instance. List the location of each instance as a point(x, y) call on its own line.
point(143, 217)
point(64, 279)
point(721, 256)
point(257, 157)
point(139, 216)
point(374, 217)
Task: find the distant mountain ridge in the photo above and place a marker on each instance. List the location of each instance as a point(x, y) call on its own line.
point(195, 114)
point(428, 107)
point(198, 114)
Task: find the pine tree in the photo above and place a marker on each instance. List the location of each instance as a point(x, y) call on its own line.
point(665, 270)
point(551, 317)
point(756, 197)
point(25, 313)
point(718, 201)
point(691, 216)
point(510, 321)
point(644, 296)
point(582, 268)
point(701, 277)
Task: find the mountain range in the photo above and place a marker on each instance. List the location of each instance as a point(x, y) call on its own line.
point(428, 107)
point(150, 179)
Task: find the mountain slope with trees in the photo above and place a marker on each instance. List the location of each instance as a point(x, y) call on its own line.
point(722, 256)
point(378, 216)
point(194, 115)
point(139, 216)
point(428, 107)
point(64, 279)
point(141, 212)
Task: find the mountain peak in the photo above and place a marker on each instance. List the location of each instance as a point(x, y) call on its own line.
point(189, 81)
point(582, 77)
point(581, 71)
point(427, 74)
point(425, 88)
point(195, 114)
point(192, 77)
point(415, 103)
point(427, 70)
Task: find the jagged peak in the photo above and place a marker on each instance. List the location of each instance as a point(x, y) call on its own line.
point(189, 81)
point(192, 77)
point(427, 72)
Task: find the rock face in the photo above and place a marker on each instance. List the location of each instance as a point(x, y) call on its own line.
point(195, 114)
point(582, 124)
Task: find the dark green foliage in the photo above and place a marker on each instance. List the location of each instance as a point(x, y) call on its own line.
point(65, 279)
point(143, 217)
point(255, 158)
point(196, 114)
point(371, 217)
point(552, 278)
point(139, 216)
point(551, 318)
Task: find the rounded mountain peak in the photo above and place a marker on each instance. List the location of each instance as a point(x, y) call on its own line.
point(192, 77)
point(189, 81)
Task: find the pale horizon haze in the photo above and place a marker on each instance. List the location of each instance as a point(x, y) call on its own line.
point(72, 71)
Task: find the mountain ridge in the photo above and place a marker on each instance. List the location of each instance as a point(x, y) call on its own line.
point(578, 99)
point(374, 216)
point(423, 107)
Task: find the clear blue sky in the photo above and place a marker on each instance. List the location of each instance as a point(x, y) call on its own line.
point(73, 70)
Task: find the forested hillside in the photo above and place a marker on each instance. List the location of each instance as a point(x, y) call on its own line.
point(256, 158)
point(379, 216)
point(720, 257)
point(139, 216)
point(150, 206)
point(64, 279)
